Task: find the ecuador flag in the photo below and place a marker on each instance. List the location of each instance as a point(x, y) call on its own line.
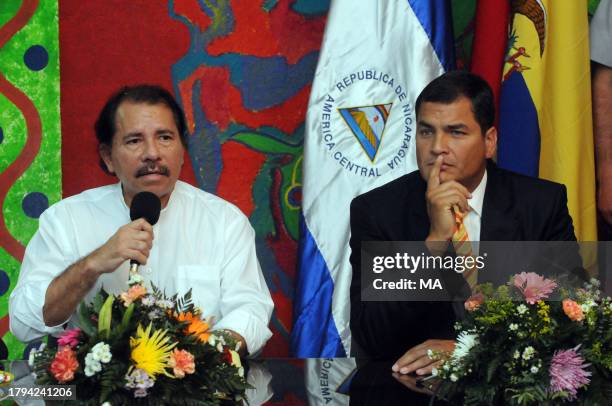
point(545, 106)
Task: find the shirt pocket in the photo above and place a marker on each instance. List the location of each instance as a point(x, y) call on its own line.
point(205, 284)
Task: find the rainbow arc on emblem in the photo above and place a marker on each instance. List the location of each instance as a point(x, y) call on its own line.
point(367, 123)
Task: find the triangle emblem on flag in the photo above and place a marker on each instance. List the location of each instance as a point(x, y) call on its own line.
point(367, 123)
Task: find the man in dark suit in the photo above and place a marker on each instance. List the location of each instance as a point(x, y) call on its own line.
point(455, 141)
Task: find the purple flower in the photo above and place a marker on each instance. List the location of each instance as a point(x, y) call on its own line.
point(140, 393)
point(139, 380)
point(567, 372)
point(533, 286)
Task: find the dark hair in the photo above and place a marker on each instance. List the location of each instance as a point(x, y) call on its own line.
point(452, 85)
point(105, 126)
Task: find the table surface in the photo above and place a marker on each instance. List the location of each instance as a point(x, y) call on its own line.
point(313, 381)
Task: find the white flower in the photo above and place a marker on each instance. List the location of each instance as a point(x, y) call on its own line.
point(148, 301)
point(586, 306)
point(513, 327)
point(33, 353)
point(528, 353)
point(446, 367)
point(106, 404)
point(89, 371)
point(434, 371)
point(154, 314)
point(212, 340)
point(534, 370)
point(594, 282)
point(454, 378)
point(92, 365)
point(430, 353)
point(101, 352)
point(134, 279)
point(241, 372)
point(465, 342)
point(521, 309)
point(219, 347)
point(517, 354)
point(165, 304)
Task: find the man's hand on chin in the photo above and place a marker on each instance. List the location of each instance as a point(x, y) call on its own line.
point(417, 360)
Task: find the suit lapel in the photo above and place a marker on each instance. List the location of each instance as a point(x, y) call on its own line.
point(499, 222)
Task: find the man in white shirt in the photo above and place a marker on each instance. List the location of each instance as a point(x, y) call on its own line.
point(85, 242)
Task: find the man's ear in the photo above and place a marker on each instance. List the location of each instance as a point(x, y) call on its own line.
point(105, 155)
point(491, 142)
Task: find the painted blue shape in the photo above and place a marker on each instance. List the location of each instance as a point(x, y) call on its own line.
point(5, 282)
point(310, 7)
point(1, 135)
point(519, 131)
point(36, 57)
point(33, 204)
point(295, 196)
point(267, 82)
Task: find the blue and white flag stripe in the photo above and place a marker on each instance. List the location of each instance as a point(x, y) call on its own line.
point(374, 53)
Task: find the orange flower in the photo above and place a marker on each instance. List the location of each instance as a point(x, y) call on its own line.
point(573, 310)
point(182, 363)
point(197, 326)
point(134, 293)
point(64, 364)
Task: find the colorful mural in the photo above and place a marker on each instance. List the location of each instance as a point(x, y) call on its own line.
point(244, 85)
point(30, 168)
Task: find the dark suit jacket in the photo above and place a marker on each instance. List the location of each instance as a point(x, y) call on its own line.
point(515, 208)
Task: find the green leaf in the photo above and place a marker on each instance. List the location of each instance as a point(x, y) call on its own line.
point(97, 302)
point(104, 319)
point(125, 321)
point(492, 368)
point(85, 320)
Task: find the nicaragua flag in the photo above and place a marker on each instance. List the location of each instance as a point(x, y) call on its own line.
point(545, 107)
point(375, 59)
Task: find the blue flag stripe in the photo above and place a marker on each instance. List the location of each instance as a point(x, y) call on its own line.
point(436, 19)
point(519, 130)
point(314, 332)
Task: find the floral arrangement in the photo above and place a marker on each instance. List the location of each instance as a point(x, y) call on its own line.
point(143, 347)
point(518, 346)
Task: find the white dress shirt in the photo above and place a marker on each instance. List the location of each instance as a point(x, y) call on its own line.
point(200, 242)
point(474, 217)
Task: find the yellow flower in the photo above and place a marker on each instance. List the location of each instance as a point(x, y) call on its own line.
point(151, 353)
point(235, 359)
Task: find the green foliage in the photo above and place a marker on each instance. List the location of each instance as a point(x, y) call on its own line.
point(104, 320)
point(500, 369)
point(215, 381)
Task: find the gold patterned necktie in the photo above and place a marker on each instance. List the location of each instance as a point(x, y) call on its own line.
point(463, 247)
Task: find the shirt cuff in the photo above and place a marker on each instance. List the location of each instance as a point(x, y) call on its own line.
point(255, 332)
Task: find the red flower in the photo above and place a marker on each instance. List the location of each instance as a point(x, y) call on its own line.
point(227, 356)
point(64, 364)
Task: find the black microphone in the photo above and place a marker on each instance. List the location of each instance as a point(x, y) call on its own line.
point(144, 205)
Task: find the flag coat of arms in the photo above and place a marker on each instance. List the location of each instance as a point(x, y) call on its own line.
point(375, 59)
point(545, 108)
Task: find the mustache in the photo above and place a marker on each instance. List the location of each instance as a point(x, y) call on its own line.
point(149, 169)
